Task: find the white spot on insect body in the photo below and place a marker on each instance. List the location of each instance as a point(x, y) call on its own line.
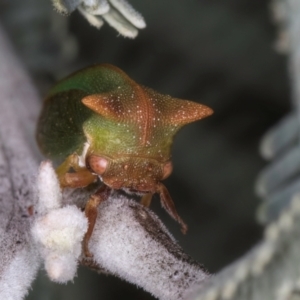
point(82, 157)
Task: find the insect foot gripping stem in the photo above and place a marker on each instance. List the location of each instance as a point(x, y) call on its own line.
point(168, 204)
point(91, 212)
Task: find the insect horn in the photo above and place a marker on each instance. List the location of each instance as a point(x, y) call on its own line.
point(104, 104)
point(179, 112)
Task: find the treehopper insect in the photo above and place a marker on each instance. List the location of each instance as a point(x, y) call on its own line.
point(103, 125)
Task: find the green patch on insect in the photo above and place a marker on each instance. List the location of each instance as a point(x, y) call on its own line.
point(103, 125)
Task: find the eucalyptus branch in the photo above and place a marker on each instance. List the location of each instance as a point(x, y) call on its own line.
point(128, 241)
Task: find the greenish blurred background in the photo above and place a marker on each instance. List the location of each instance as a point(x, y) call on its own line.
point(219, 53)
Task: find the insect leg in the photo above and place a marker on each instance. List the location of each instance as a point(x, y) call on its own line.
point(69, 162)
point(168, 204)
point(146, 199)
point(82, 176)
point(91, 212)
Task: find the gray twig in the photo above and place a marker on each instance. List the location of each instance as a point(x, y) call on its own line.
point(19, 258)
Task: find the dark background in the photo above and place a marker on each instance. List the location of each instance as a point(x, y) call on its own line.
point(219, 53)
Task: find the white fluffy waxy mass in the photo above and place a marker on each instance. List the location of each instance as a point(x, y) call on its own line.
point(58, 231)
point(48, 190)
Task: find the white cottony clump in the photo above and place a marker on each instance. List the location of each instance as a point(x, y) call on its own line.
point(59, 235)
point(58, 232)
point(48, 189)
point(60, 229)
point(61, 268)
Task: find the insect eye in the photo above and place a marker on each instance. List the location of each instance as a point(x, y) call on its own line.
point(98, 164)
point(167, 170)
